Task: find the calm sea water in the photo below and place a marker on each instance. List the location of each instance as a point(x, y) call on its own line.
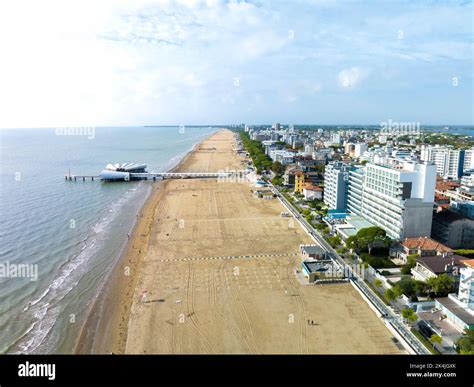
point(73, 232)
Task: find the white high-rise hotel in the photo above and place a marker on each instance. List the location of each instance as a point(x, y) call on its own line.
point(397, 196)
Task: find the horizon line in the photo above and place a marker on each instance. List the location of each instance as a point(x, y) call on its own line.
point(226, 125)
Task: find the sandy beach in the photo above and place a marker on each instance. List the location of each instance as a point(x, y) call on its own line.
point(217, 266)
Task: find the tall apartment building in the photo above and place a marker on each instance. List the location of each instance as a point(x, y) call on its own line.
point(397, 196)
point(336, 138)
point(336, 177)
point(449, 161)
point(359, 149)
point(469, 159)
point(453, 229)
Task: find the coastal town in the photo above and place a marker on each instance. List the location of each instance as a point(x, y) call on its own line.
point(245, 192)
point(399, 203)
point(301, 234)
point(219, 270)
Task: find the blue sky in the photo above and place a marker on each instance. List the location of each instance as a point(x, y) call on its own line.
point(71, 63)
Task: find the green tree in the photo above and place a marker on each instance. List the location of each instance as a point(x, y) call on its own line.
point(334, 241)
point(465, 344)
point(435, 339)
point(367, 238)
point(277, 180)
point(255, 149)
point(465, 252)
point(441, 285)
point(319, 168)
point(390, 295)
point(277, 168)
point(409, 287)
point(320, 226)
point(406, 286)
point(411, 263)
point(409, 314)
point(378, 283)
point(342, 250)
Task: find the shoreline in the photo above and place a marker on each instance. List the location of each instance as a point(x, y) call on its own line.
point(99, 335)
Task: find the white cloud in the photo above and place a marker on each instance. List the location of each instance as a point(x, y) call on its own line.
point(84, 62)
point(351, 77)
point(119, 62)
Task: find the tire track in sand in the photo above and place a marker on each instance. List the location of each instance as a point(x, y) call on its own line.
point(245, 321)
point(190, 297)
point(237, 333)
point(302, 339)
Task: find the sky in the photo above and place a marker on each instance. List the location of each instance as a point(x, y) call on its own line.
point(68, 63)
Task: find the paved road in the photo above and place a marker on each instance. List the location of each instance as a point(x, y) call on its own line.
point(385, 311)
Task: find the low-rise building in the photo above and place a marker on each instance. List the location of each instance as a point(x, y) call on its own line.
point(321, 270)
point(312, 192)
point(312, 252)
point(459, 308)
point(283, 156)
point(264, 194)
point(313, 177)
point(422, 246)
point(431, 266)
point(350, 225)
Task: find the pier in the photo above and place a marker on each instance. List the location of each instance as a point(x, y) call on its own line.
point(132, 171)
point(80, 177)
point(178, 175)
point(152, 176)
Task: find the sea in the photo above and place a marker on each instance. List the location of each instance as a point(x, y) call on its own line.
point(59, 239)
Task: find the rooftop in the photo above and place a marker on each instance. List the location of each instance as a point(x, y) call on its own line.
point(437, 263)
point(446, 185)
point(448, 216)
point(315, 266)
point(359, 222)
point(312, 249)
point(462, 313)
point(311, 187)
point(468, 263)
point(425, 243)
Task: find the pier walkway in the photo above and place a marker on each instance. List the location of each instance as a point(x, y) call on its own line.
point(157, 176)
